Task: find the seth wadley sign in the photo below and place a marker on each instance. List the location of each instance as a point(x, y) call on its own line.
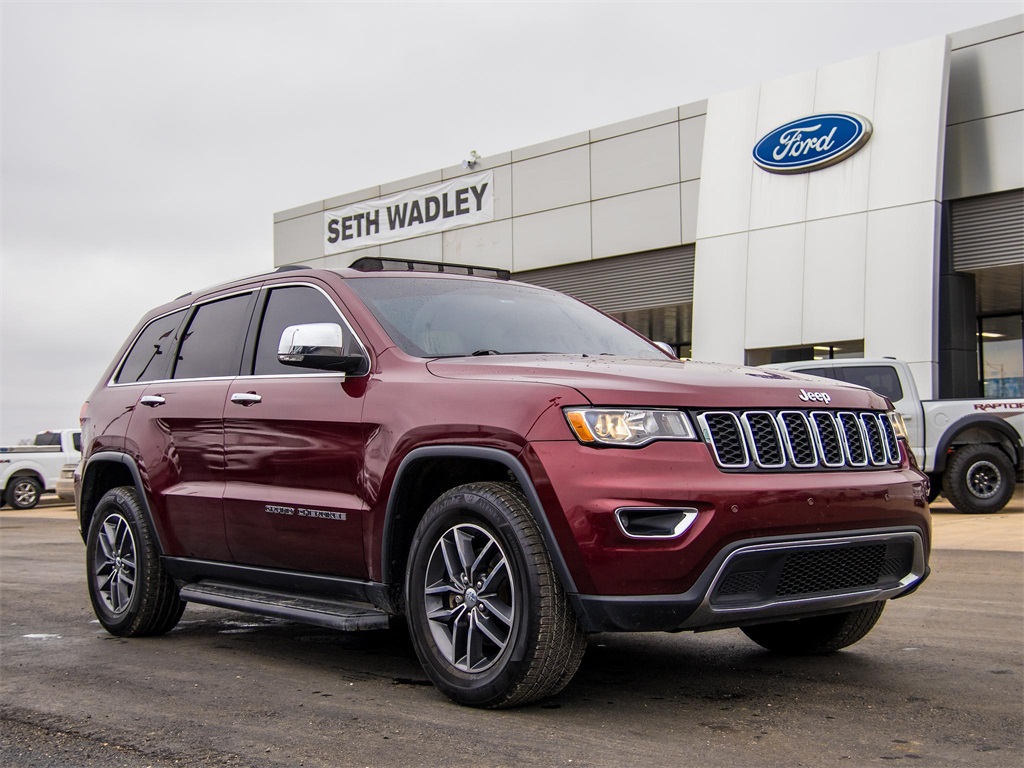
point(421, 211)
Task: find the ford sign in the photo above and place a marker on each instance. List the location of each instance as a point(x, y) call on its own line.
point(812, 142)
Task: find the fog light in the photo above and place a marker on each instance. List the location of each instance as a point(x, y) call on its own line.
point(655, 522)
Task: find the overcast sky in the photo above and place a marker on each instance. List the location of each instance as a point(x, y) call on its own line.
point(146, 146)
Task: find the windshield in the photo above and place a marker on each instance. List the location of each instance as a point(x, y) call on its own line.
point(437, 317)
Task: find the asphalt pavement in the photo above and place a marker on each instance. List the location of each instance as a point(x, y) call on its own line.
point(939, 682)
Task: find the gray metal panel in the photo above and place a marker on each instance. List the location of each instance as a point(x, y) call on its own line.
point(986, 80)
point(623, 283)
point(988, 231)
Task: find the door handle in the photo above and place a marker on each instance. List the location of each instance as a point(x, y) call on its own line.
point(246, 398)
point(152, 400)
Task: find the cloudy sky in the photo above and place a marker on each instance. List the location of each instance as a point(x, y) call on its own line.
point(147, 145)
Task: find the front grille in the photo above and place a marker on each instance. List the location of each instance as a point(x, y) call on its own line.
point(799, 440)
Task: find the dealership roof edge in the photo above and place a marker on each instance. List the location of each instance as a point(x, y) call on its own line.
point(958, 40)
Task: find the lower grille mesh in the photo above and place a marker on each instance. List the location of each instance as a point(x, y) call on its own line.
point(831, 569)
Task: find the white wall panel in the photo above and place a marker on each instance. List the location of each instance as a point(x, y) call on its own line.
point(984, 156)
point(833, 290)
point(689, 196)
point(843, 188)
point(299, 239)
point(901, 274)
point(775, 262)
point(642, 221)
point(691, 147)
point(719, 300)
point(635, 124)
point(726, 166)
point(635, 161)
point(553, 237)
point(779, 198)
point(426, 248)
point(906, 154)
point(551, 181)
point(487, 245)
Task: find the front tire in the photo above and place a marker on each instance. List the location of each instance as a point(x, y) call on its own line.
point(131, 593)
point(488, 617)
point(23, 492)
point(818, 634)
point(979, 479)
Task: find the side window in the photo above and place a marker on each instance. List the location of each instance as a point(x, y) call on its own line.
point(292, 305)
point(881, 378)
point(149, 357)
point(828, 373)
point(76, 441)
point(212, 345)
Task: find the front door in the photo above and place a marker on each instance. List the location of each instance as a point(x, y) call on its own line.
point(294, 446)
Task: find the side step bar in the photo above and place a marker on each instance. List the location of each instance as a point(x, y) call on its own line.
point(318, 610)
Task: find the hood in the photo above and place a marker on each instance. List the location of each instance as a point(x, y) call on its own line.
point(625, 381)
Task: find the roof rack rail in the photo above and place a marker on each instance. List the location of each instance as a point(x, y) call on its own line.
point(292, 267)
point(375, 264)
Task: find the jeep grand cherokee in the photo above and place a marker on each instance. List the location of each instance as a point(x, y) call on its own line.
point(504, 466)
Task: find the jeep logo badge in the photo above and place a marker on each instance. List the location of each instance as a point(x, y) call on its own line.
point(812, 142)
point(815, 397)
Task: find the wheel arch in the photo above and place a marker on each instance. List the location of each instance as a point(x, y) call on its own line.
point(25, 472)
point(424, 474)
point(978, 430)
point(104, 471)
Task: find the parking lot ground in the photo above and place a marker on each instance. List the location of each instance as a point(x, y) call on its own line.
point(939, 682)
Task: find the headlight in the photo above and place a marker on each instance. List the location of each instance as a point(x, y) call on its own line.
point(898, 425)
point(627, 427)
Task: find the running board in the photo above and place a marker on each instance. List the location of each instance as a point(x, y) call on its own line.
point(319, 610)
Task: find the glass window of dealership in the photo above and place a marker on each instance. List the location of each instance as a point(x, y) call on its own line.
point(909, 244)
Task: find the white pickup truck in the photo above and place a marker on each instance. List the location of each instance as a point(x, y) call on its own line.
point(28, 470)
point(971, 449)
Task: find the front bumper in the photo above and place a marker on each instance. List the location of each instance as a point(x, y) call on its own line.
point(581, 488)
point(774, 579)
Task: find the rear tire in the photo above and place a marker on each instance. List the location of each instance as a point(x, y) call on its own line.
point(23, 492)
point(979, 479)
point(818, 634)
point(487, 614)
point(131, 593)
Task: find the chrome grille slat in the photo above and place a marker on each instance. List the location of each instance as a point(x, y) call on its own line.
point(798, 440)
point(764, 439)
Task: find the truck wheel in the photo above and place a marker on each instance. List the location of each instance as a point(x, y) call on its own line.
point(23, 492)
point(979, 478)
point(131, 593)
point(487, 614)
point(818, 634)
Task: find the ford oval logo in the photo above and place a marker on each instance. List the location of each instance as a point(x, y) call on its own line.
point(812, 142)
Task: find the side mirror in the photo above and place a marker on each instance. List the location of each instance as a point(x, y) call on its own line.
point(666, 348)
point(318, 345)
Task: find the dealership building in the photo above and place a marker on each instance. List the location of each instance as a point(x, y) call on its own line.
point(869, 208)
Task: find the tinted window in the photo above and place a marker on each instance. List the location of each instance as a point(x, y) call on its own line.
point(149, 358)
point(295, 305)
point(76, 441)
point(827, 373)
point(212, 345)
point(47, 438)
point(438, 317)
point(881, 378)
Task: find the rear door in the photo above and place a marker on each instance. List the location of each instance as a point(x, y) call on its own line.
point(177, 432)
point(294, 498)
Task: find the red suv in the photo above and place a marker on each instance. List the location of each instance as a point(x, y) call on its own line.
point(504, 466)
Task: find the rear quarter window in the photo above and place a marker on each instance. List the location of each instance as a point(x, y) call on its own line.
point(883, 379)
point(150, 355)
